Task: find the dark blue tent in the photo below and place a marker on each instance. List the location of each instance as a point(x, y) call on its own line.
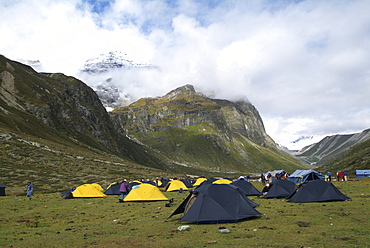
point(164, 182)
point(2, 190)
point(150, 182)
point(187, 183)
point(216, 203)
point(281, 189)
point(210, 181)
point(113, 189)
point(302, 176)
point(66, 194)
point(317, 191)
point(247, 187)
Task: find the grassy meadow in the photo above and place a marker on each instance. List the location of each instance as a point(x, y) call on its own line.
point(50, 221)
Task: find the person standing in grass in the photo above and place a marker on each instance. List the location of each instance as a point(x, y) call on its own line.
point(263, 179)
point(329, 176)
point(123, 189)
point(29, 190)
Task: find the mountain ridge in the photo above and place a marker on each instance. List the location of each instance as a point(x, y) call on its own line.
point(332, 147)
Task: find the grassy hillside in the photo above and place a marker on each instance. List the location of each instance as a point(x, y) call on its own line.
point(54, 166)
point(195, 147)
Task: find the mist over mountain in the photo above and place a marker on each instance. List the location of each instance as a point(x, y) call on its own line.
point(114, 77)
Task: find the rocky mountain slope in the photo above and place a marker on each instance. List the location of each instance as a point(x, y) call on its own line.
point(48, 119)
point(332, 147)
point(355, 158)
point(204, 133)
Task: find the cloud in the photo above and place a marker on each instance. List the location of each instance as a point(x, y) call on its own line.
point(305, 65)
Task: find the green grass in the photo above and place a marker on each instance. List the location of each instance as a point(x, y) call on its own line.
point(49, 221)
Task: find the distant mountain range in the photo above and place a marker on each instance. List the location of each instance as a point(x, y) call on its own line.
point(357, 157)
point(332, 147)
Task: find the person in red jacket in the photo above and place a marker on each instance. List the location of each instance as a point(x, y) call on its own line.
point(340, 176)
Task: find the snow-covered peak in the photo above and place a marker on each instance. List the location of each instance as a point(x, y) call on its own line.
point(110, 61)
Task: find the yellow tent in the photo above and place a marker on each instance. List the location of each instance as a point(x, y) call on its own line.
point(222, 181)
point(199, 181)
point(159, 182)
point(145, 192)
point(98, 187)
point(88, 190)
point(136, 181)
point(175, 185)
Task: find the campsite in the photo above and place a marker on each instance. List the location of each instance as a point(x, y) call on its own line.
point(104, 222)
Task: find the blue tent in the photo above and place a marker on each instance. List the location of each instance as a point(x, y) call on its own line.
point(317, 191)
point(216, 203)
point(247, 187)
point(280, 189)
point(362, 173)
point(113, 189)
point(301, 176)
point(2, 190)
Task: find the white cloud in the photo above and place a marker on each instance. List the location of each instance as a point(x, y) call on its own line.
point(305, 65)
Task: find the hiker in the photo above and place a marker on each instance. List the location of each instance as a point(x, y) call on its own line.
point(269, 177)
point(345, 176)
point(329, 176)
point(123, 189)
point(29, 190)
point(265, 189)
point(263, 179)
point(341, 176)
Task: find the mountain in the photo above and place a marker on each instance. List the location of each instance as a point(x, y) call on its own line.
point(203, 133)
point(55, 131)
point(54, 128)
point(332, 147)
point(355, 158)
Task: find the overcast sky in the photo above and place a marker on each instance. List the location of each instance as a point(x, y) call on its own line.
point(305, 65)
